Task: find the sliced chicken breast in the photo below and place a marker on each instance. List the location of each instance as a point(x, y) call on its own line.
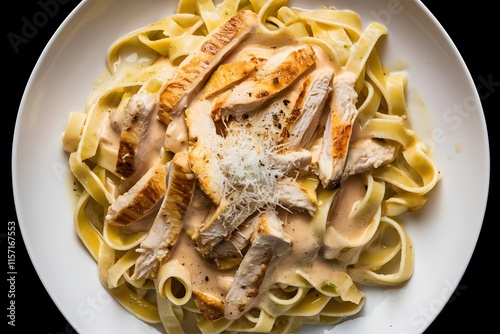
point(168, 224)
point(293, 160)
point(197, 212)
point(194, 70)
point(222, 221)
point(229, 74)
point(140, 200)
point(203, 161)
point(211, 306)
point(269, 244)
point(300, 130)
point(280, 71)
point(134, 157)
point(293, 196)
point(338, 130)
point(228, 253)
point(367, 154)
point(295, 115)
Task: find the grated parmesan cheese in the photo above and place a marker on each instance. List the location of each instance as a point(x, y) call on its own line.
point(248, 163)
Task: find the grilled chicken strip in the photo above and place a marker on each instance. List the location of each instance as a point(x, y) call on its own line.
point(228, 253)
point(196, 212)
point(294, 196)
point(338, 130)
point(138, 141)
point(140, 200)
point(300, 128)
point(269, 244)
point(193, 70)
point(168, 222)
point(227, 75)
point(367, 154)
point(203, 162)
point(300, 159)
point(222, 221)
point(280, 71)
point(296, 113)
point(212, 307)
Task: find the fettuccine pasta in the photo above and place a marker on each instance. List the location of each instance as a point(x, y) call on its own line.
point(247, 163)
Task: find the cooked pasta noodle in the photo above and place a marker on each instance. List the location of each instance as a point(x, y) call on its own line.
point(247, 163)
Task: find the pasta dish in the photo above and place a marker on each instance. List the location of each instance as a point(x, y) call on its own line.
point(246, 164)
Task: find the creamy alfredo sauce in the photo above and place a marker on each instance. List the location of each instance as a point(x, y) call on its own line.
point(306, 245)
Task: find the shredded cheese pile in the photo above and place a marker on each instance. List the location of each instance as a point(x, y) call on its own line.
point(251, 169)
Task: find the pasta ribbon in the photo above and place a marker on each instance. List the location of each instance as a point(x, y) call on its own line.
point(385, 262)
point(73, 134)
point(420, 179)
point(214, 16)
point(122, 240)
point(117, 273)
point(262, 323)
point(142, 308)
point(170, 273)
point(171, 315)
point(156, 36)
point(104, 256)
point(364, 46)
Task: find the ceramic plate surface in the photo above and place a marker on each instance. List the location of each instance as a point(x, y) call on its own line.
point(61, 82)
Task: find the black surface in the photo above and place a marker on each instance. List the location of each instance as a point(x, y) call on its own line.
point(473, 29)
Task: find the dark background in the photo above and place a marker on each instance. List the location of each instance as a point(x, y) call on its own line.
point(474, 31)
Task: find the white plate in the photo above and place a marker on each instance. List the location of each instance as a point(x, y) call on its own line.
point(61, 82)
